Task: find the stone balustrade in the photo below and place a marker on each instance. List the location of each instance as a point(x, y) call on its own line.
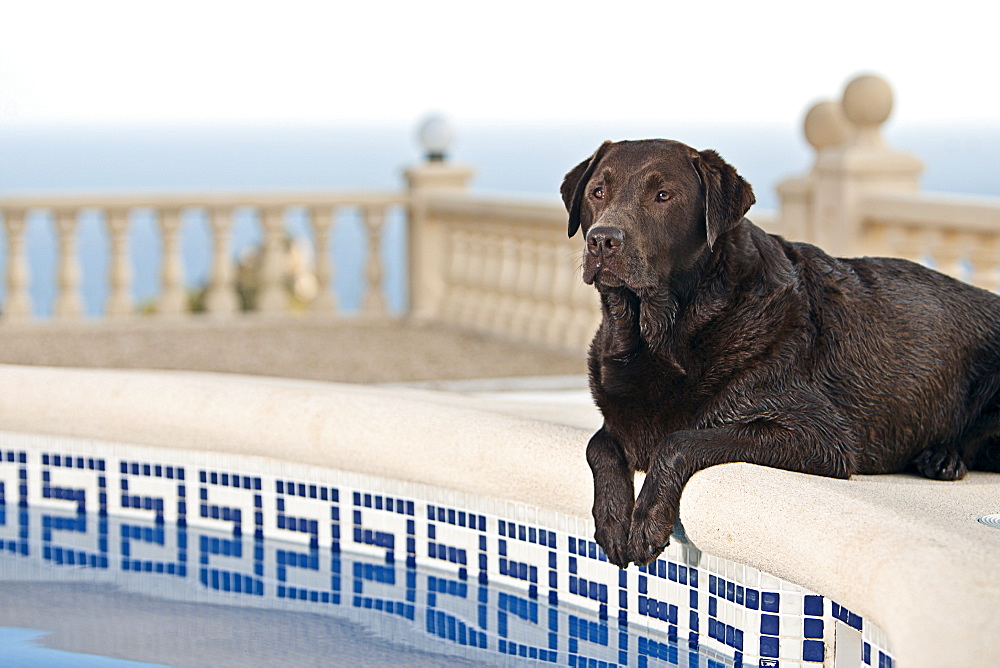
point(510, 270)
point(324, 210)
point(862, 197)
point(959, 236)
point(503, 266)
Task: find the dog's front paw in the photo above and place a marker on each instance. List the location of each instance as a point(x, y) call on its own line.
point(650, 534)
point(613, 504)
point(613, 539)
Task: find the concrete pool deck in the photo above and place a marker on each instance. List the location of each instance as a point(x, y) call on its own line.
point(309, 347)
point(904, 552)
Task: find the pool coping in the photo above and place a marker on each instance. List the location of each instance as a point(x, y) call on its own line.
point(903, 551)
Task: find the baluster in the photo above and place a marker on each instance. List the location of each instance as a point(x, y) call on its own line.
point(985, 260)
point(68, 304)
point(527, 269)
point(481, 259)
point(478, 244)
point(948, 249)
point(221, 298)
point(18, 306)
point(321, 219)
point(119, 270)
point(456, 278)
point(502, 318)
point(469, 280)
point(542, 293)
point(561, 289)
point(474, 279)
point(273, 298)
point(374, 300)
point(173, 300)
point(487, 306)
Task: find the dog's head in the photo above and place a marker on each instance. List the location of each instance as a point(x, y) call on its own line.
point(650, 210)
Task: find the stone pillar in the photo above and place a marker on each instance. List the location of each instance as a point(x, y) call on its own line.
point(321, 218)
point(825, 127)
point(68, 304)
point(120, 270)
point(428, 238)
point(18, 305)
point(273, 297)
point(220, 299)
point(374, 300)
point(851, 165)
point(173, 300)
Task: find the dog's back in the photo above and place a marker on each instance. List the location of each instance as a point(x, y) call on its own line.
point(910, 355)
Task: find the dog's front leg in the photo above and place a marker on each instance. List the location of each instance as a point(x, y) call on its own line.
point(675, 460)
point(682, 454)
point(614, 496)
point(655, 511)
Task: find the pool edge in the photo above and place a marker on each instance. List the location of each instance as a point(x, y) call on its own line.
point(862, 542)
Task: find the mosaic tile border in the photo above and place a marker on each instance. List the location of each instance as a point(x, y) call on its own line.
point(685, 599)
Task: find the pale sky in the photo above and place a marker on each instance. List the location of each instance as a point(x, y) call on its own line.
point(500, 60)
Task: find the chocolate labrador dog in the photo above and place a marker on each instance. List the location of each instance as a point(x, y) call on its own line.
point(721, 343)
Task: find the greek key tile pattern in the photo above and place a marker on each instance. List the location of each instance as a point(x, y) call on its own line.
point(480, 577)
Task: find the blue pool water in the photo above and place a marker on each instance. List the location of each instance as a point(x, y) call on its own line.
point(24, 648)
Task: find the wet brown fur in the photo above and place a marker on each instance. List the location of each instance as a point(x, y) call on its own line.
point(721, 343)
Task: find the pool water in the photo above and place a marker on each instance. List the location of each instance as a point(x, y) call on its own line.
point(24, 648)
point(196, 558)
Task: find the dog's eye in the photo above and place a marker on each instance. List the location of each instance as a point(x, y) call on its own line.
point(662, 196)
point(598, 193)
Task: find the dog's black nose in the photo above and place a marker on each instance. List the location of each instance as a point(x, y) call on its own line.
point(605, 240)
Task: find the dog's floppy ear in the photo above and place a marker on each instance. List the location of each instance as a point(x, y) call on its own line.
point(727, 196)
point(573, 186)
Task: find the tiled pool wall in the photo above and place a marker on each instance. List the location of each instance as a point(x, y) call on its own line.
point(684, 601)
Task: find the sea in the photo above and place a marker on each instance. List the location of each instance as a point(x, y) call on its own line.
point(522, 159)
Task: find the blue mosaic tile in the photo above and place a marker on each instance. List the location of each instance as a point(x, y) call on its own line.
point(769, 601)
point(812, 650)
point(813, 605)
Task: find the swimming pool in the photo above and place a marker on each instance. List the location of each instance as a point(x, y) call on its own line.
point(420, 566)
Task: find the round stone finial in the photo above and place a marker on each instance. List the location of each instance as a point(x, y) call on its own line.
point(436, 135)
point(867, 100)
point(825, 125)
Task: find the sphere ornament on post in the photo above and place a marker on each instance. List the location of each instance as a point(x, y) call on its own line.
point(826, 126)
point(867, 104)
point(852, 161)
point(436, 136)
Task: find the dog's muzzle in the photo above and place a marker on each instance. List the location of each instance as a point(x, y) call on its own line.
point(601, 263)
